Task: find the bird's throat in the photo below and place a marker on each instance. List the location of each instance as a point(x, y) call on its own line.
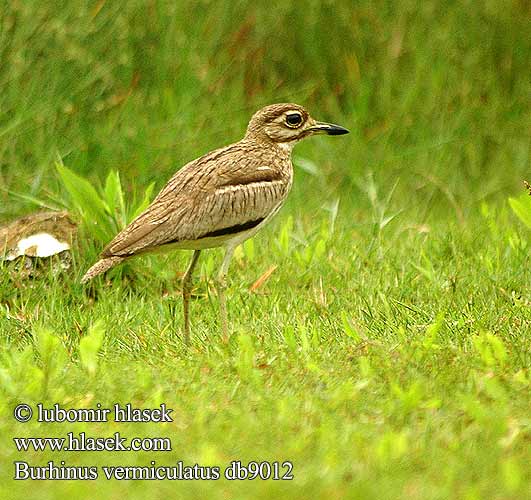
point(286, 146)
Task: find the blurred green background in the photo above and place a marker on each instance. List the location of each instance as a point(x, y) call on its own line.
point(436, 93)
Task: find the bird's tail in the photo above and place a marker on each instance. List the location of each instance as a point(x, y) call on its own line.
point(101, 266)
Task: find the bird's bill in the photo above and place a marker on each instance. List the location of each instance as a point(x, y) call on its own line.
point(328, 128)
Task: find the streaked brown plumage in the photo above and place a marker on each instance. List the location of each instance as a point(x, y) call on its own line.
point(220, 199)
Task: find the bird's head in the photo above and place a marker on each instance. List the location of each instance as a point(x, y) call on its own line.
point(286, 124)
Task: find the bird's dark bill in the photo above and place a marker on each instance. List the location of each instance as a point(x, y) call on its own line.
point(329, 128)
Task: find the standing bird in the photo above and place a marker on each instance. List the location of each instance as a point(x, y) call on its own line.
point(220, 199)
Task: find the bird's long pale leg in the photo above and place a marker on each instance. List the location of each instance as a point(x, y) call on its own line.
point(187, 291)
point(222, 285)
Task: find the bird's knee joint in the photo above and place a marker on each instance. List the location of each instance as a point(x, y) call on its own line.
point(187, 287)
point(221, 283)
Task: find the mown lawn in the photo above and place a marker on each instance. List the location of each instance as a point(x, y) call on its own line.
point(397, 370)
point(381, 325)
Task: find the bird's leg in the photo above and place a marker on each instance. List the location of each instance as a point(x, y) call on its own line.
point(222, 285)
point(187, 291)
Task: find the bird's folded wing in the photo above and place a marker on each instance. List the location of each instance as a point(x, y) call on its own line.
point(233, 208)
point(140, 234)
point(230, 202)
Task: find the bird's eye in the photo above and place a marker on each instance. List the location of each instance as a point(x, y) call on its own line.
point(293, 120)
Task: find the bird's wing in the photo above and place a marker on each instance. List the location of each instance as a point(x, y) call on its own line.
point(222, 193)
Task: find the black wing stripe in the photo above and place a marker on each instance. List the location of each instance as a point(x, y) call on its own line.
point(238, 228)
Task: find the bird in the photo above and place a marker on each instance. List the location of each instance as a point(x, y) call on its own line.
point(220, 199)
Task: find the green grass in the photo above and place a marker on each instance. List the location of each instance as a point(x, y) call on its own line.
point(388, 355)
